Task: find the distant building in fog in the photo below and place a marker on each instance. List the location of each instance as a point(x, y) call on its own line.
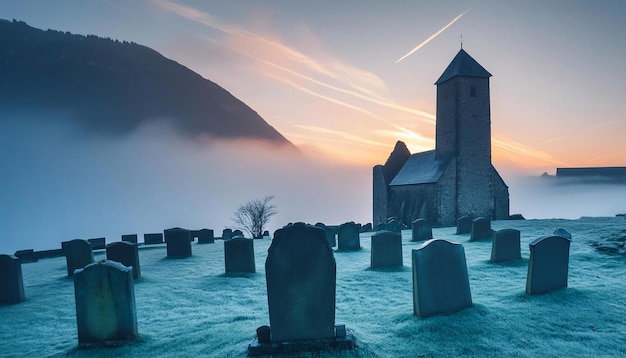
point(602, 173)
point(457, 177)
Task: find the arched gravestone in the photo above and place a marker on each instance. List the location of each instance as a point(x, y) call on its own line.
point(394, 225)
point(153, 239)
point(227, 234)
point(237, 233)
point(301, 277)
point(105, 303)
point(421, 230)
point(440, 282)
point(563, 233)
point(239, 255)
point(328, 233)
point(548, 265)
point(125, 253)
point(386, 249)
point(78, 254)
point(178, 243)
point(11, 282)
point(464, 225)
point(506, 245)
point(348, 238)
point(205, 236)
point(132, 238)
point(481, 229)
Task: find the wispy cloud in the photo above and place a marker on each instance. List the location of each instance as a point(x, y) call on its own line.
point(521, 149)
point(433, 36)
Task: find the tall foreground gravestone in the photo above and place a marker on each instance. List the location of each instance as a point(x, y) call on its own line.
point(105, 303)
point(125, 253)
point(440, 281)
point(11, 281)
point(78, 254)
point(548, 265)
point(300, 273)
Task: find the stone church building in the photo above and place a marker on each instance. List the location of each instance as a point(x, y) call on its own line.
point(457, 178)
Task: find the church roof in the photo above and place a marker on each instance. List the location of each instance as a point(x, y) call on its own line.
point(463, 65)
point(421, 168)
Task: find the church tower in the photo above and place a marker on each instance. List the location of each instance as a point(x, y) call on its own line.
point(463, 131)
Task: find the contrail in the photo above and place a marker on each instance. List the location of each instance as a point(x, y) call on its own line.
point(433, 36)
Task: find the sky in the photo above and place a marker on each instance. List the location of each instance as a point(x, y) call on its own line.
point(344, 80)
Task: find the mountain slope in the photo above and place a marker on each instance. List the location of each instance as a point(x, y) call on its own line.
point(112, 86)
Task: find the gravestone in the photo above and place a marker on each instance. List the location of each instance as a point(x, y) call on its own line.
point(26, 255)
point(237, 233)
point(464, 225)
point(348, 238)
point(178, 243)
point(421, 230)
point(481, 229)
point(300, 273)
point(440, 281)
point(394, 225)
point(78, 254)
point(98, 243)
point(563, 233)
point(548, 265)
point(11, 282)
point(381, 227)
point(105, 304)
point(227, 234)
point(386, 249)
point(125, 253)
point(328, 233)
point(266, 234)
point(506, 245)
point(205, 236)
point(367, 227)
point(239, 255)
point(132, 238)
point(153, 239)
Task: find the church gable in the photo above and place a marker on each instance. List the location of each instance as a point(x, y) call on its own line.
point(421, 168)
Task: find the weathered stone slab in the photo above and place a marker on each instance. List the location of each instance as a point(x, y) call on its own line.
point(421, 230)
point(563, 233)
point(239, 255)
point(386, 249)
point(78, 254)
point(548, 265)
point(105, 304)
point(329, 234)
point(205, 236)
point(98, 243)
point(132, 238)
point(506, 245)
point(464, 225)
point(440, 281)
point(125, 253)
point(153, 239)
point(394, 225)
point(11, 282)
point(481, 229)
point(178, 242)
point(348, 238)
point(301, 277)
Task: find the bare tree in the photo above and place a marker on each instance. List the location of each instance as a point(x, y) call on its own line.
point(254, 215)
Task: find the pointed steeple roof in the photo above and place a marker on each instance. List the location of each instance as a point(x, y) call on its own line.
point(463, 65)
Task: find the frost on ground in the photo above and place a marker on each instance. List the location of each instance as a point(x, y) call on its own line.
point(189, 307)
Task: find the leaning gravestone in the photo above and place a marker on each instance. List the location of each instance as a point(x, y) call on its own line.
point(153, 239)
point(481, 229)
point(563, 233)
point(421, 230)
point(125, 253)
point(394, 225)
point(440, 281)
point(132, 238)
point(178, 243)
point(239, 255)
point(464, 225)
point(386, 249)
point(11, 282)
point(506, 245)
point(348, 238)
point(549, 261)
point(300, 273)
point(78, 254)
point(329, 234)
point(205, 236)
point(105, 304)
point(227, 234)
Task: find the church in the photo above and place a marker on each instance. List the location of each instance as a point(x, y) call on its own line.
point(457, 177)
